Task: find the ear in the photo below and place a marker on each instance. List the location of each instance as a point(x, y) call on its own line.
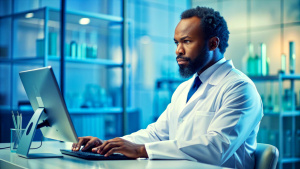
point(213, 43)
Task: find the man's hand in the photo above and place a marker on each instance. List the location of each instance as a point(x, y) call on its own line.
point(119, 145)
point(88, 142)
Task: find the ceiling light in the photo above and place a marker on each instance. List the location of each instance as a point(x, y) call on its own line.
point(84, 21)
point(29, 15)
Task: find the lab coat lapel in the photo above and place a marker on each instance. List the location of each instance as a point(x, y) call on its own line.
point(188, 107)
point(183, 96)
point(214, 79)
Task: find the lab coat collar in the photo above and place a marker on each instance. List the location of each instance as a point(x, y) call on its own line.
point(214, 74)
point(204, 76)
point(221, 72)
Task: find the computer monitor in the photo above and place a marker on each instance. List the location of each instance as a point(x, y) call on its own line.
point(51, 115)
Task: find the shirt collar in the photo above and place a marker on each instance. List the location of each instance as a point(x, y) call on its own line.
point(204, 76)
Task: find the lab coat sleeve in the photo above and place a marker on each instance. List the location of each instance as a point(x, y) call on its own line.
point(239, 114)
point(157, 131)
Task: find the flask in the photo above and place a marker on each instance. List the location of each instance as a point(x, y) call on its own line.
point(250, 60)
point(292, 57)
point(79, 53)
point(287, 100)
point(52, 44)
point(83, 50)
point(283, 63)
point(94, 51)
point(257, 63)
point(40, 48)
point(73, 49)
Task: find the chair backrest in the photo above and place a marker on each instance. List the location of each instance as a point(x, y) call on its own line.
point(266, 156)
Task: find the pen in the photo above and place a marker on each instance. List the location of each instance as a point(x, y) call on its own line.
point(13, 117)
point(21, 121)
point(18, 120)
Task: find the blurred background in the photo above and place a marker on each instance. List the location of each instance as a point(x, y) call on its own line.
point(101, 87)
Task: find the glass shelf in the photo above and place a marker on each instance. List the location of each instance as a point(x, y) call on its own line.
point(104, 110)
point(254, 78)
point(271, 113)
point(290, 160)
point(264, 78)
point(275, 77)
point(290, 76)
point(104, 62)
point(96, 21)
point(284, 113)
point(290, 113)
point(74, 14)
point(39, 60)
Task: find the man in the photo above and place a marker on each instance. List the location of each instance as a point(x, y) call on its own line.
point(212, 118)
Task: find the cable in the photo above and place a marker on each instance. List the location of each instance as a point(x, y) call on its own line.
point(30, 148)
point(40, 145)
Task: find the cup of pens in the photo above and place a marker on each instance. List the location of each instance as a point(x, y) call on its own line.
point(17, 132)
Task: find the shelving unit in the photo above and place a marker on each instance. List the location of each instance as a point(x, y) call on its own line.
point(283, 114)
point(103, 31)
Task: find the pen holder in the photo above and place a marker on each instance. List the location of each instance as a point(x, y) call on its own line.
point(15, 137)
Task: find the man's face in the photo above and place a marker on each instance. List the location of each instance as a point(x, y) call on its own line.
point(192, 50)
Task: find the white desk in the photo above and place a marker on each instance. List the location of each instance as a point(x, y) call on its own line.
point(10, 160)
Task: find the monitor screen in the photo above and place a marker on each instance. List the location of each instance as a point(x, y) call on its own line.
point(44, 95)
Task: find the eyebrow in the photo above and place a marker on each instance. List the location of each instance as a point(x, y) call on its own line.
point(182, 38)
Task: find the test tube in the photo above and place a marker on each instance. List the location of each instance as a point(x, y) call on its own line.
point(283, 63)
point(292, 57)
point(263, 49)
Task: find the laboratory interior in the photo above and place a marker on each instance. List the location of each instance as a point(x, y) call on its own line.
point(116, 68)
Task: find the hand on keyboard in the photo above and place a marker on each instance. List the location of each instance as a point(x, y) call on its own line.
point(109, 147)
point(119, 145)
point(88, 142)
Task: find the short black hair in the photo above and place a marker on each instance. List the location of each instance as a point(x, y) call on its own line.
point(213, 24)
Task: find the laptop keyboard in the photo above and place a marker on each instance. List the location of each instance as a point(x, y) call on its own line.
point(94, 156)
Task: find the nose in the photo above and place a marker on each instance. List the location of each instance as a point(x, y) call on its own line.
point(180, 49)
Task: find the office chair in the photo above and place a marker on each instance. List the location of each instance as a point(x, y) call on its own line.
point(266, 156)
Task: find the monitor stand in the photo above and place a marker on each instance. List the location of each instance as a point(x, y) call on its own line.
point(25, 143)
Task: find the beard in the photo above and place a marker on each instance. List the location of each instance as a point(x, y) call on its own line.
point(194, 65)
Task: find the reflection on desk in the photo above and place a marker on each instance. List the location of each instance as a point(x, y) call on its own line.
point(10, 160)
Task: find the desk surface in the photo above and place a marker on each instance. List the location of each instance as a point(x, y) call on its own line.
point(13, 161)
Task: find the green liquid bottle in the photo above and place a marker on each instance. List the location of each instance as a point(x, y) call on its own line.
point(263, 54)
point(257, 65)
point(250, 60)
point(292, 57)
point(283, 63)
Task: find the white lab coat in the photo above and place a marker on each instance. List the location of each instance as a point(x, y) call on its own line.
point(218, 125)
